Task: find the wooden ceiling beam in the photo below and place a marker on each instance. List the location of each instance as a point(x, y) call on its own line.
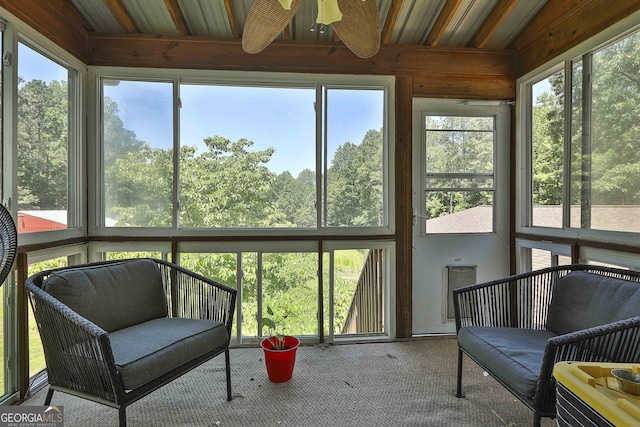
point(556, 29)
point(390, 21)
point(444, 18)
point(178, 17)
point(497, 16)
point(231, 17)
point(122, 16)
point(489, 67)
point(57, 20)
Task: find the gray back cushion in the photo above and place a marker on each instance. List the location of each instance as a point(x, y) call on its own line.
point(113, 296)
point(582, 300)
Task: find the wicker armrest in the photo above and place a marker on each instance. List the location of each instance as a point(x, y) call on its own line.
point(78, 353)
point(617, 342)
point(518, 301)
point(198, 297)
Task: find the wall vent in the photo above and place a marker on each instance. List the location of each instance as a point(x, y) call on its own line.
point(455, 276)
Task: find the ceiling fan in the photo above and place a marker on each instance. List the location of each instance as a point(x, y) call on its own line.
point(356, 22)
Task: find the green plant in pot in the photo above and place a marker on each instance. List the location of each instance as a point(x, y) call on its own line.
point(279, 350)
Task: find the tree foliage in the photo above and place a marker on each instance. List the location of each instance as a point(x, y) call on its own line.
point(456, 146)
point(605, 156)
point(42, 145)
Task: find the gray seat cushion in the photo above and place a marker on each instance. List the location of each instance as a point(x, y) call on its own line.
point(511, 354)
point(583, 300)
point(113, 296)
point(148, 350)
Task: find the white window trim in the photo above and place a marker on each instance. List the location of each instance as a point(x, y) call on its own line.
point(523, 137)
point(237, 78)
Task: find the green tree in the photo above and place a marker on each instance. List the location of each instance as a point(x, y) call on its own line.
point(548, 147)
point(138, 179)
point(42, 145)
point(355, 183)
point(457, 145)
point(227, 186)
point(295, 197)
point(139, 186)
point(616, 130)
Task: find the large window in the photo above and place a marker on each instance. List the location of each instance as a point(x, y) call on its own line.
point(46, 143)
point(595, 184)
point(289, 156)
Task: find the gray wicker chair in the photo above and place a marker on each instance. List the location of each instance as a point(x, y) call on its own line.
point(515, 325)
point(95, 361)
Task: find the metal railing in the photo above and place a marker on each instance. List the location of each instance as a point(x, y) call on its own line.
point(365, 313)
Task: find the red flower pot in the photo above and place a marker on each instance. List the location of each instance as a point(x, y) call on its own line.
point(280, 362)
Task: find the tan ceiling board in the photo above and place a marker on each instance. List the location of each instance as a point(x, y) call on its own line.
point(231, 16)
point(390, 21)
point(121, 14)
point(444, 18)
point(178, 18)
point(491, 24)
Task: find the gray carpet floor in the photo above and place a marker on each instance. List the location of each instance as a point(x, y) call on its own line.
point(407, 383)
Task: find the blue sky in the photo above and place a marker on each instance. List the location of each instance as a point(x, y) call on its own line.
point(270, 117)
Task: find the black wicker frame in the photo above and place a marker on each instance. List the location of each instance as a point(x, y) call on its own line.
point(522, 301)
point(8, 243)
point(91, 372)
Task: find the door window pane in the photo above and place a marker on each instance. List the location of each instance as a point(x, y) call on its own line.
point(459, 180)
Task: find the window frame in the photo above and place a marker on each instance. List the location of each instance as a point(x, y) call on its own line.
point(385, 83)
point(523, 153)
point(492, 109)
point(76, 184)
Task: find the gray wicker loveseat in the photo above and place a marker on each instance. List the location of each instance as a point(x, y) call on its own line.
point(114, 331)
point(518, 327)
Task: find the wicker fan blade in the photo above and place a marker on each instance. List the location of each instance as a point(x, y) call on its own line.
point(266, 19)
point(359, 28)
